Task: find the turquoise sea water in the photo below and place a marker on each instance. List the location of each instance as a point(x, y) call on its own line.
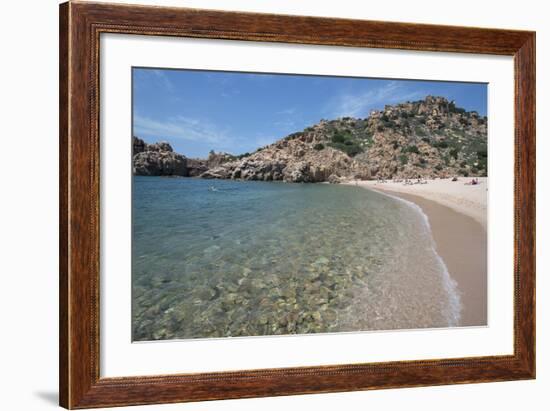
point(234, 258)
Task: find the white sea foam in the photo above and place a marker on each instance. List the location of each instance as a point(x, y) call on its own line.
point(451, 286)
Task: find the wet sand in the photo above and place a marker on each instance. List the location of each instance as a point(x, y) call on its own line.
point(462, 243)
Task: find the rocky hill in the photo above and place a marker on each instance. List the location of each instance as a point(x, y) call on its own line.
point(198, 166)
point(427, 138)
point(157, 159)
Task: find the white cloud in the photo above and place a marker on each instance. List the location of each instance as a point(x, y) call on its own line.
point(287, 119)
point(285, 124)
point(161, 76)
point(358, 104)
point(287, 111)
point(230, 92)
point(180, 128)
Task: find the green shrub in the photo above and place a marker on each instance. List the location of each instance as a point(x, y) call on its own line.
point(441, 144)
point(411, 149)
point(426, 140)
point(482, 153)
point(294, 135)
point(454, 153)
point(353, 150)
point(350, 150)
point(319, 146)
point(458, 110)
point(403, 159)
point(419, 131)
point(482, 163)
point(340, 137)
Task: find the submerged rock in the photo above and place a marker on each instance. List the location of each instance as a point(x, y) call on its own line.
point(322, 260)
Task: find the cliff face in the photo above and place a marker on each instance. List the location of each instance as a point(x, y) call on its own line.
point(292, 161)
point(197, 166)
point(157, 159)
point(427, 138)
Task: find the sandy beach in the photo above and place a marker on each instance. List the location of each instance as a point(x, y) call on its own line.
point(465, 199)
point(458, 218)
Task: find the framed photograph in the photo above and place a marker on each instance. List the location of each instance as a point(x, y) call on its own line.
point(259, 205)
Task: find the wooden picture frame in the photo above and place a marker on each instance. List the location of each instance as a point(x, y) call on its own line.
point(80, 27)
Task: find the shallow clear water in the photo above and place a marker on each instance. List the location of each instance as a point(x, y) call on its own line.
point(231, 258)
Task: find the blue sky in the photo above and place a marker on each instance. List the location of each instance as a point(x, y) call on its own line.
point(199, 111)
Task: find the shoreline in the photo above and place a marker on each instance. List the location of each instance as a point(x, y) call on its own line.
point(460, 240)
point(465, 199)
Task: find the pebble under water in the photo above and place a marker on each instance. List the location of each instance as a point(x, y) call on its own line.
point(244, 258)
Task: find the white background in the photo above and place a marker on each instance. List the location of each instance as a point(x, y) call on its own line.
point(121, 358)
point(28, 206)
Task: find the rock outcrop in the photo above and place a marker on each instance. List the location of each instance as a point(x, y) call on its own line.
point(197, 166)
point(157, 159)
point(427, 138)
